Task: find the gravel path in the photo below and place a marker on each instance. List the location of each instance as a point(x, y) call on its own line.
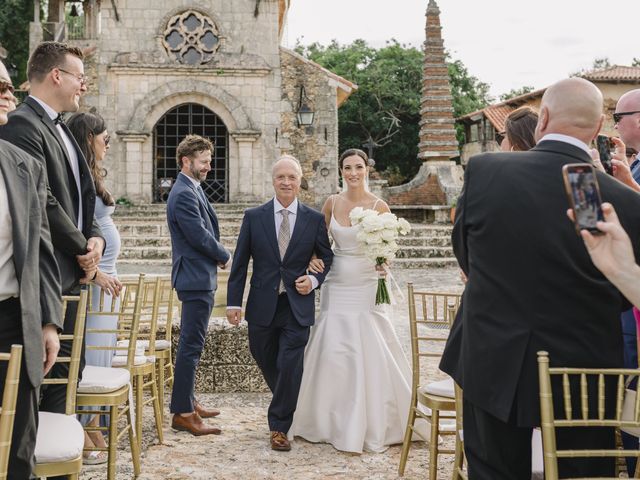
point(242, 451)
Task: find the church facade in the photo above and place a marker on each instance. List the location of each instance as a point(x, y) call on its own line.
point(161, 69)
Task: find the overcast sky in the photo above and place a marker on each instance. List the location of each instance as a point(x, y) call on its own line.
point(506, 43)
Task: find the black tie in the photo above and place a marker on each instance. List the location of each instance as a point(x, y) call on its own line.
point(59, 119)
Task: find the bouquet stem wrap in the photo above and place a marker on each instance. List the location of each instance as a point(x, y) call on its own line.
point(382, 293)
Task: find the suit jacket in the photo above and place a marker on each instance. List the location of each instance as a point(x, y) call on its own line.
point(258, 240)
point(531, 284)
point(31, 129)
point(195, 238)
point(33, 258)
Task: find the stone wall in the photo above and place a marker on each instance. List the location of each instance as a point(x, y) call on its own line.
point(226, 364)
point(316, 146)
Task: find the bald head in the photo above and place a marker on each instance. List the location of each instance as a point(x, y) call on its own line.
point(286, 161)
point(628, 125)
point(571, 107)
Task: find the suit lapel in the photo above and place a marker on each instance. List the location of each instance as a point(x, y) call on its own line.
point(36, 107)
point(17, 184)
point(302, 219)
point(268, 223)
point(205, 205)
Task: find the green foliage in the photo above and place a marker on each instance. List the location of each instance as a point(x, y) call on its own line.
point(124, 201)
point(635, 62)
point(516, 92)
point(386, 106)
point(15, 16)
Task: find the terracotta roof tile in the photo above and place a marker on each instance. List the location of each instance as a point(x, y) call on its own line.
point(615, 73)
point(497, 114)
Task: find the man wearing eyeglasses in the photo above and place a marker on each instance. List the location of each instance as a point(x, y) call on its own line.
point(30, 309)
point(56, 75)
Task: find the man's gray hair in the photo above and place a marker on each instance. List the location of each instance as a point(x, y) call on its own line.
point(292, 159)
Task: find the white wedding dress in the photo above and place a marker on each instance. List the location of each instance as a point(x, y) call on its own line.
point(356, 385)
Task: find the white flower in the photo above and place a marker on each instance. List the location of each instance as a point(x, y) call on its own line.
point(356, 215)
point(403, 226)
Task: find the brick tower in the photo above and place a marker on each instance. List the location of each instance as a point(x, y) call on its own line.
point(439, 179)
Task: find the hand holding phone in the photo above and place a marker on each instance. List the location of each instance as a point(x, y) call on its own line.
point(603, 143)
point(583, 193)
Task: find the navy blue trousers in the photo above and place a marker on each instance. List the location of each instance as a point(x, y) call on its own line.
point(279, 352)
point(196, 310)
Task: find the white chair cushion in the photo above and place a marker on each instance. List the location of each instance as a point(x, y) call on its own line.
point(103, 379)
point(443, 388)
point(144, 344)
point(121, 361)
point(537, 459)
point(60, 438)
point(124, 353)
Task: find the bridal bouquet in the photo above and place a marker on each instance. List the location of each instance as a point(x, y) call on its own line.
point(378, 236)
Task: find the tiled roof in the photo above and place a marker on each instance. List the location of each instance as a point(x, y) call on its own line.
point(615, 73)
point(497, 114)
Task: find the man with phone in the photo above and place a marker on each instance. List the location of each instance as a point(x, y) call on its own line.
point(627, 122)
point(532, 286)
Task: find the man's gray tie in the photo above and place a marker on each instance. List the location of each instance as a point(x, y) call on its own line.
point(283, 240)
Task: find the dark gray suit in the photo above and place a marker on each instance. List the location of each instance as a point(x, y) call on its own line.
point(31, 129)
point(36, 269)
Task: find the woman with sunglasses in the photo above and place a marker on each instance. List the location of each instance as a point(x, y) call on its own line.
point(90, 132)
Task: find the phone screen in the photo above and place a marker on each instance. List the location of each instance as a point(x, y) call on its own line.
point(584, 195)
point(604, 150)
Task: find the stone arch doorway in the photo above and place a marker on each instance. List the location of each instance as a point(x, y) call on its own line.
point(171, 128)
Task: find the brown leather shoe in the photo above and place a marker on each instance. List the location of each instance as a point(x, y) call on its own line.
point(280, 442)
point(193, 424)
point(205, 412)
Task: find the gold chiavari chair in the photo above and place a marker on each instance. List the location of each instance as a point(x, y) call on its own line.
point(143, 369)
point(585, 417)
point(60, 437)
point(429, 319)
point(166, 306)
point(9, 399)
point(109, 388)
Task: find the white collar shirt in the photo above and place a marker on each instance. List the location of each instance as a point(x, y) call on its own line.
point(558, 137)
point(293, 212)
point(9, 286)
point(71, 153)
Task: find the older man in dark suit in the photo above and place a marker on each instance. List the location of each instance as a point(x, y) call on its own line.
point(196, 254)
point(30, 309)
point(280, 237)
point(532, 286)
point(56, 75)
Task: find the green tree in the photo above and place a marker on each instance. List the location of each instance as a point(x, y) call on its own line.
point(15, 16)
point(635, 62)
point(386, 106)
point(516, 92)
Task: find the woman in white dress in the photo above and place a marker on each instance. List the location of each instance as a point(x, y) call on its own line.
point(356, 385)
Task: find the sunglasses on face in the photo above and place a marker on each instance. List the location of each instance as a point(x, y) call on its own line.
point(618, 116)
point(4, 86)
point(107, 139)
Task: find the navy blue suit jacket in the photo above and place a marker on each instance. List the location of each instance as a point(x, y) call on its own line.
point(258, 240)
point(195, 238)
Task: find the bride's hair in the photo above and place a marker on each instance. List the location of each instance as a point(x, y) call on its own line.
point(350, 152)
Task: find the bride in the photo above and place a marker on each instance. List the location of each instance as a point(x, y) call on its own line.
point(356, 385)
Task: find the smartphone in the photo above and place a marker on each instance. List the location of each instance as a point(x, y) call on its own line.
point(581, 185)
point(603, 143)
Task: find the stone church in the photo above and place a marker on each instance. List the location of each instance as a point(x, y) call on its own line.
point(161, 69)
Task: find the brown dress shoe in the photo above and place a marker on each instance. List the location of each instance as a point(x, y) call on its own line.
point(193, 424)
point(205, 412)
point(280, 442)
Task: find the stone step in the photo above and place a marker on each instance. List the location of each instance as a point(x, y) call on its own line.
point(134, 228)
point(133, 264)
point(425, 252)
point(165, 241)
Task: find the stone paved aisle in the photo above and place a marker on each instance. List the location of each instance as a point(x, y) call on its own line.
point(242, 451)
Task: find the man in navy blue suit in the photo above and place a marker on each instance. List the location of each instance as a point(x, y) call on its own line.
point(280, 236)
point(196, 254)
point(627, 121)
